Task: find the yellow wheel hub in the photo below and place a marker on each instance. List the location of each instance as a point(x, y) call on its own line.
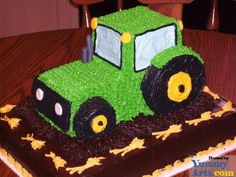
point(179, 86)
point(99, 123)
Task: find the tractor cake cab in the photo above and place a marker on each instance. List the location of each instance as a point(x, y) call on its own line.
point(138, 66)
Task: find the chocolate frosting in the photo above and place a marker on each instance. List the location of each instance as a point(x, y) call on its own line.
point(157, 154)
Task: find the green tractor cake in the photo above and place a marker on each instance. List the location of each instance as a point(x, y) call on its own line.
point(138, 65)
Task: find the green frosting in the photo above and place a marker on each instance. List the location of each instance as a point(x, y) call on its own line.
point(136, 20)
point(78, 81)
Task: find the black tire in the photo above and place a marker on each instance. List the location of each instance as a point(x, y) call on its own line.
point(90, 111)
point(155, 83)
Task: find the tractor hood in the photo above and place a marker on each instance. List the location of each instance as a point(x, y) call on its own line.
point(75, 80)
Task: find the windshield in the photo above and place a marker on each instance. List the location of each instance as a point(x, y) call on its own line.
point(108, 45)
point(150, 43)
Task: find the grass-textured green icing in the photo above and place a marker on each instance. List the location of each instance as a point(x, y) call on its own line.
point(136, 20)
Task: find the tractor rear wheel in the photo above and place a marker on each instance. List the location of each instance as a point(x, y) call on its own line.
point(174, 86)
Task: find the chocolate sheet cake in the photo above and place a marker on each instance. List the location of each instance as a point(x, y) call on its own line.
point(114, 153)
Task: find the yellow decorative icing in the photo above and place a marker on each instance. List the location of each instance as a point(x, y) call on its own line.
point(176, 163)
point(204, 117)
point(188, 160)
point(135, 144)
point(166, 133)
point(57, 160)
point(208, 115)
point(159, 171)
point(125, 37)
point(207, 90)
point(181, 25)
point(180, 79)
point(7, 108)
point(226, 108)
point(94, 23)
point(35, 144)
point(14, 164)
point(99, 123)
point(90, 163)
point(12, 122)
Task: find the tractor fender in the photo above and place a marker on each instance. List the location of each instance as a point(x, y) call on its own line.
point(161, 59)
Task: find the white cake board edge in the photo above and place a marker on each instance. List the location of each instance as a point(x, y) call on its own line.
point(11, 165)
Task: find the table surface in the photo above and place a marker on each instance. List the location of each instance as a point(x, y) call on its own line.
point(23, 57)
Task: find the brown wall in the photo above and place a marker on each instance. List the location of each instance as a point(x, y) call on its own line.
point(27, 16)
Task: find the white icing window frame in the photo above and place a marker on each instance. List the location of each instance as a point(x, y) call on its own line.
point(153, 30)
point(107, 59)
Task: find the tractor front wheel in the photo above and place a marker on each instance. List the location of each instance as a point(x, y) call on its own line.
point(95, 118)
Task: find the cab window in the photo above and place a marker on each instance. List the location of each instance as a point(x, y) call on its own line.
point(150, 43)
point(108, 45)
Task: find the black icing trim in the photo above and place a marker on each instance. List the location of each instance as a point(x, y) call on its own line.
point(155, 83)
point(46, 106)
point(110, 28)
point(106, 60)
point(151, 30)
point(176, 35)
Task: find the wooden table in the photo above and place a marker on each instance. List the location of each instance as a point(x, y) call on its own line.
point(22, 57)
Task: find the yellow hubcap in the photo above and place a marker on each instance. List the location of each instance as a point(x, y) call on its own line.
point(99, 123)
point(179, 86)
